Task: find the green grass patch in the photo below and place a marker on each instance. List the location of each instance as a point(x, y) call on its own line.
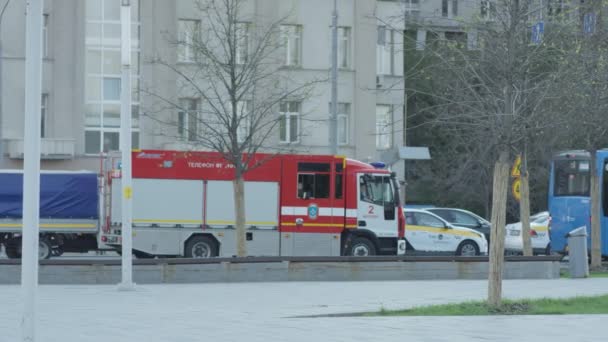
point(577, 305)
point(592, 274)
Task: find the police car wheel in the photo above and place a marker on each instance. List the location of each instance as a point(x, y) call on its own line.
point(362, 247)
point(467, 248)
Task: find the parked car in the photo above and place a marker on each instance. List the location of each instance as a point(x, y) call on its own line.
point(427, 233)
point(463, 218)
point(539, 235)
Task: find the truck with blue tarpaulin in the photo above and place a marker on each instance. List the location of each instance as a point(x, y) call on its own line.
point(69, 212)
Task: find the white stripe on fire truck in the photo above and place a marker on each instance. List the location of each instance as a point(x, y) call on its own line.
point(293, 211)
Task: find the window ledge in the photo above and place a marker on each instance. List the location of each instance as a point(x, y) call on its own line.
point(292, 67)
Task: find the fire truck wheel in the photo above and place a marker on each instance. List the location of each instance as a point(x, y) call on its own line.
point(44, 248)
point(362, 247)
point(201, 247)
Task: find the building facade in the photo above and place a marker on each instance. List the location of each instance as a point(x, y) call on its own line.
point(81, 77)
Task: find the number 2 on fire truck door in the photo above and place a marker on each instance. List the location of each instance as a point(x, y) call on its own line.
point(376, 210)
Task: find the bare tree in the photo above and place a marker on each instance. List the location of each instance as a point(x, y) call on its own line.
point(235, 71)
point(494, 97)
point(587, 102)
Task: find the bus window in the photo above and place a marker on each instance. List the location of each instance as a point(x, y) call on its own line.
point(571, 178)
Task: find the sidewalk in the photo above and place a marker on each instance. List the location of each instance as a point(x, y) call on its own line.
point(262, 311)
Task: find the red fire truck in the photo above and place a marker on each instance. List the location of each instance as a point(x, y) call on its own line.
point(296, 205)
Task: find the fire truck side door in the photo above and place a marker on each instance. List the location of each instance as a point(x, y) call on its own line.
point(376, 205)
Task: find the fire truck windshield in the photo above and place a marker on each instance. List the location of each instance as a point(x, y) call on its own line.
point(377, 189)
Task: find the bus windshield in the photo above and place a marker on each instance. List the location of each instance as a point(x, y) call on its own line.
point(571, 178)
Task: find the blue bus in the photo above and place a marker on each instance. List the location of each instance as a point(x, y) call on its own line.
point(569, 196)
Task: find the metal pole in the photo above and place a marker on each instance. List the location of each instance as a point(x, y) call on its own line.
point(333, 122)
point(1, 97)
point(31, 167)
point(125, 148)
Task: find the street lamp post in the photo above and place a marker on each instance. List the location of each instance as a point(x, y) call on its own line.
point(125, 148)
point(31, 167)
point(1, 61)
point(333, 122)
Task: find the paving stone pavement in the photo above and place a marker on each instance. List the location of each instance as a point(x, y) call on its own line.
point(265, 312)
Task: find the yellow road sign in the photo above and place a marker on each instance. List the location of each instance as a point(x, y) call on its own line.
point(516, 169)
point(128, 192)
point(515, 189)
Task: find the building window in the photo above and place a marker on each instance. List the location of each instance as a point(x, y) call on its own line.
point(488, 10)
point(344, 47)
point(45, 35)
point(92, 143)
point(188, 32)
point(444, 8)
point(472, 40)
point(556, 7)
point(44, 112)
point(111, 89)
point(448, 11)
point(289, 121)
point(343, 116)
point(385, 51)
point(456, 39)
point(292, 38)
point(411, 7)
point(244, 120)
point(187, 119)
point(103, 73)
point(384, 127)
point(420, 40)
point(242, 43)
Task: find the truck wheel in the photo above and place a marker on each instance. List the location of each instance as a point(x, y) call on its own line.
point(200, 247)
point(467, 248)
point(13, 248)
point(362, 247)
point(44, 249)
point(57, 251)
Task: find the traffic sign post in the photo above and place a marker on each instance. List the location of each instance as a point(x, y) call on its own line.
point(516, 175)
point(589, 21)
point(516, 169)
point(515, 189)
point(537, 32)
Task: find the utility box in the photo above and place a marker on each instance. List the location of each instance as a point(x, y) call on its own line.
point(577, 253)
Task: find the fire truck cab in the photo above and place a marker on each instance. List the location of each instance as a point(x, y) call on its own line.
point(295, 205)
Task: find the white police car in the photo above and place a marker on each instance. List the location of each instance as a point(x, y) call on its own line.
point(427, 233)
point(539, 235)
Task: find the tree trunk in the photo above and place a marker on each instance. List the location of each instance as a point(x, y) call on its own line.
point(596, 237)
point(524, 207)
point(497, 234)
point(239, 210)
